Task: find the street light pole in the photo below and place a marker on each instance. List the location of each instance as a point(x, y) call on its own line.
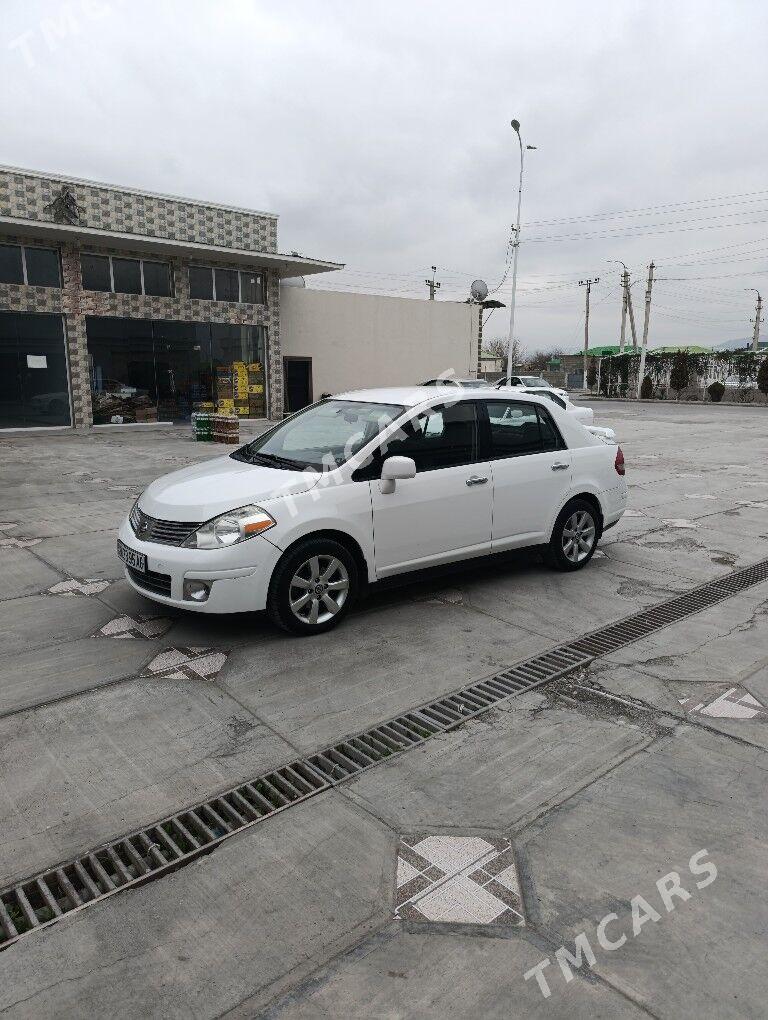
point(516, 128)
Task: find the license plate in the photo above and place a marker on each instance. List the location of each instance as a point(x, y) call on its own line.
point(132, 558)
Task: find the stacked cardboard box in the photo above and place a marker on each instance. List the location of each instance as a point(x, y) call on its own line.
point(256, 402)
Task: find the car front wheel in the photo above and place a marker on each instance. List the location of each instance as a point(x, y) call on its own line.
point(313, 588)
point(574, 537)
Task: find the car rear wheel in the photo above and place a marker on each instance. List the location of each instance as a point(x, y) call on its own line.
point(313, 588)
point(574, 536)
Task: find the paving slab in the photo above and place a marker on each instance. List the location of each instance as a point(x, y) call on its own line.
point(723, 643)
point(693, 791)
point(525, 596)
point(729, 704)
point(56, 671)
point(94, 766)
point(399, 975)
point(498, 770)
point(23, 573)
point(39, 620)
point(94, 553)
point(383, 660)
point(282, 897)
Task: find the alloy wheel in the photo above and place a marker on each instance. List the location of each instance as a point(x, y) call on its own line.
point(578, 536)
point(318, 589)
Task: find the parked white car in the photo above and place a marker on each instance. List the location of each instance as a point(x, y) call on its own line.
point(529, 382)
point(365, 486)
point(584, 414)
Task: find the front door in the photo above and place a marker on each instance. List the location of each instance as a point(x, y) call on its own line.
point(531, 470)
point(297, 375)
point(444, 513)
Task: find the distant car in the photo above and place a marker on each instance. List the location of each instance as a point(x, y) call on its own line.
point(526, 381)
point(584, 414)
point(466, 384)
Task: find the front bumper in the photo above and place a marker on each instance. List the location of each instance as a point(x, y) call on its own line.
point(239, 575)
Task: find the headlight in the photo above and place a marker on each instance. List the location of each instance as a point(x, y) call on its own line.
point(231, 528)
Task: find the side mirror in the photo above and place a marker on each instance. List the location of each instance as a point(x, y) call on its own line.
point(394, 468)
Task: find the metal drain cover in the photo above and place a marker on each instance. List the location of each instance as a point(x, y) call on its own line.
point(458, 880)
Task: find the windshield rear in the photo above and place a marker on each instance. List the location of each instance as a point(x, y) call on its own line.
point(533, 380)
point(322, 437)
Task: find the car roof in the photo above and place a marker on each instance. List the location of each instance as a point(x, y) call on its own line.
point(412, 396)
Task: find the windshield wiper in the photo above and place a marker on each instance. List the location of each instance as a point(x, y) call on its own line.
point(272, 460)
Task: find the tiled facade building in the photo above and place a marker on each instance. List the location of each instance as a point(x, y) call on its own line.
point(118, 306)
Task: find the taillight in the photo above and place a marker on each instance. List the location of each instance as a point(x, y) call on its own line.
point(619, 462)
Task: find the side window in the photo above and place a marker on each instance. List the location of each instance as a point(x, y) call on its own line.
point(514, 428)
point(444, 436)
point(550, 435)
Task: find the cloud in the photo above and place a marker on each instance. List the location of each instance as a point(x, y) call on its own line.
point(380, 133)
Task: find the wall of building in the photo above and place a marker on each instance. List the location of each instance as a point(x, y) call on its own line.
point(30, 195)
point(363, 340)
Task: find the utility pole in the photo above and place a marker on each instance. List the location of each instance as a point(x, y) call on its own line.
point(624, 292)
point(589, 284)
point(432, 285)
point(646, 320)
point(631, 313)
point(757, 320)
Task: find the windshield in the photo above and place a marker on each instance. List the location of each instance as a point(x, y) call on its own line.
point(471, 384)
point(322, 437)
point(533, 380)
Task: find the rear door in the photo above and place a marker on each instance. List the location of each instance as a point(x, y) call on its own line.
point(530, 468)
point(444, 513)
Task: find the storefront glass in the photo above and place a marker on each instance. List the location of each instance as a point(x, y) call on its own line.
point(33, 371)
point(163, 371)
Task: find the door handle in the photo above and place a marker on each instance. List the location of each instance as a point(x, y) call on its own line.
point(477, 480)
point(559, 466)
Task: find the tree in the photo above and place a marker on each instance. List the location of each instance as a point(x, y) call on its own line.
point(497, 348)
point(592, 373)
point(646, 388)
point(538, 361)
point(678, 377)
point(762, 376)
point(716, 391)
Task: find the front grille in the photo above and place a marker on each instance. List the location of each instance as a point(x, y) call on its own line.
point(150, 580)
point(150, 529)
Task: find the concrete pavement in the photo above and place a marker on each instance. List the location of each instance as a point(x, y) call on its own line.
point(601, 798)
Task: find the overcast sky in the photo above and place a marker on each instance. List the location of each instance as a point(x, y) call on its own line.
point(379, 131)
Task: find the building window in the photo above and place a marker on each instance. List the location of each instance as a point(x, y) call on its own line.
point(154, 370)
point(201, 283)
point(95, 272)
point(125, 276)
point(157, 278)
point(37, 267)
point(227, 285)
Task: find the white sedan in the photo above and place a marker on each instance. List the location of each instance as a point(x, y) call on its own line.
point(527, 382)
point(367, 485)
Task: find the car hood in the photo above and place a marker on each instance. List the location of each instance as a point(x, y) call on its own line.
point(203, 491)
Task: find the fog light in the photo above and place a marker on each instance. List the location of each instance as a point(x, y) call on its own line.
point(196, 591)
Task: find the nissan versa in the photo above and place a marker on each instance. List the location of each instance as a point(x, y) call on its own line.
point(367, 485)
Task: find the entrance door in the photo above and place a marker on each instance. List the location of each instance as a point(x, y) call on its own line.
point(297, 383)
point(34, 390)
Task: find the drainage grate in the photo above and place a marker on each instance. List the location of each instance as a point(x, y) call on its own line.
point(178, 839)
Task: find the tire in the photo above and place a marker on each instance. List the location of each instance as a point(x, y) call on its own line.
point(580, 520)
point(296, 602)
